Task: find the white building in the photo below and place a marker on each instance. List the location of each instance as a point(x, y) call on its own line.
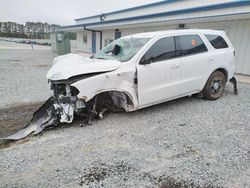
point(233, 16)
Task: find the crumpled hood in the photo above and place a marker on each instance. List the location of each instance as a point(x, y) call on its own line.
point(70, 65)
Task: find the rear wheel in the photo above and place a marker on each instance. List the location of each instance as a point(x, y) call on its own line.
point(215, 86)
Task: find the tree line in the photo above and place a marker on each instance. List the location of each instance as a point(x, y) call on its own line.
point(32, 30)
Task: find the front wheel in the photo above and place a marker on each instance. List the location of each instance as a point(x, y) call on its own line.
point(215, 86)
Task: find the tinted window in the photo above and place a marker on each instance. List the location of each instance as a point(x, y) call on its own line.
point(162, 50)
point(217, 41)
point(189, 44)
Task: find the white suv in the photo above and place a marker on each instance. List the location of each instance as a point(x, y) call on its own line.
point(137, 71)
point(147, 68)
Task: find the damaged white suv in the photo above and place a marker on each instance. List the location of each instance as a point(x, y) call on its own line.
point(134, 72)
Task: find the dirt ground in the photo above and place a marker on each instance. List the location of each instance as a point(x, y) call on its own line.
point(9, 122)
point(13, 119)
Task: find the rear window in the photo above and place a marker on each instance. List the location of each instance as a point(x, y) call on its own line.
point(217, 41)
point(189, 45)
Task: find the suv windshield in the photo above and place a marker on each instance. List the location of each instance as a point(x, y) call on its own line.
point(128, 47)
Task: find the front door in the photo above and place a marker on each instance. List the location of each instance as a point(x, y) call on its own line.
point(159, 73)
point(93, 42)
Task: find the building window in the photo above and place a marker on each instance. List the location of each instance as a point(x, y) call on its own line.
point(85, 38)
point(189, 45)
point(217, 41)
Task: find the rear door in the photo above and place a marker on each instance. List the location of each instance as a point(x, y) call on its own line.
point(192, 52)
point(223, 52)
point(159, 79)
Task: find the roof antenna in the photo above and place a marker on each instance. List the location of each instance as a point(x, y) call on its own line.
point(102, 17)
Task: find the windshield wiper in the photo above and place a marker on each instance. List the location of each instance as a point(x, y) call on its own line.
point(93, 57)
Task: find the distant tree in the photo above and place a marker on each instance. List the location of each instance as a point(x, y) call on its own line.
point(29, 30)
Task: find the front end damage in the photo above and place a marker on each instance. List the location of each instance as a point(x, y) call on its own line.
point(64, 105)
point(82, 87)
point(59, 108)
point(65, 102)
point(88, 87)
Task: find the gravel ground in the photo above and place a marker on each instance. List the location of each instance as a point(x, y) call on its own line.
point(185, 142)
point(23, 75)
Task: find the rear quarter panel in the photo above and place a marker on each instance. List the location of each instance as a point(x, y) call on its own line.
point(223, 58)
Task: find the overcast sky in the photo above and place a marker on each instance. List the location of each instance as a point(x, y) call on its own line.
point(61, 12)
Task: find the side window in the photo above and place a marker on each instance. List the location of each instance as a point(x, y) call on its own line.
point(189, 44)
point(162, 50)
point(217, 41)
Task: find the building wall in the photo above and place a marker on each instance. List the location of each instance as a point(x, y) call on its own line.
point(80, 44)
point(86, 47)
point(239, 33)
point(108, 35)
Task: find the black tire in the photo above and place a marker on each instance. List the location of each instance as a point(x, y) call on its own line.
point(214, 86)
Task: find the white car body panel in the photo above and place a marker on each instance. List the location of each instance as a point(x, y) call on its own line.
point(121, 80)
point(71, 65)
point(156, 82)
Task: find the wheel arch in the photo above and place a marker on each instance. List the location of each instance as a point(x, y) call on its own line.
point(127, 101)
point(223, 70)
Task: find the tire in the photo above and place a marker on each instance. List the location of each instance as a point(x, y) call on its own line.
point(215, 86)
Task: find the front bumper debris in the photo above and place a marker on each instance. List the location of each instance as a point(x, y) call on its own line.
point(44, 117)
point(234, 82)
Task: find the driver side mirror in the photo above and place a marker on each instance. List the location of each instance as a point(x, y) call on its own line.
point(144, 61)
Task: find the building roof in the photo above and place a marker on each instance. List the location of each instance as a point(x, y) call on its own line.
point(191, 10)
point(129, 9)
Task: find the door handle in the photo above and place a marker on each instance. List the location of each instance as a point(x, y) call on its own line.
point(210, 59)
point(174, 66)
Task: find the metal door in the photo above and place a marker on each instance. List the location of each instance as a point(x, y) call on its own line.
point(118, 35)
point(93, 42)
